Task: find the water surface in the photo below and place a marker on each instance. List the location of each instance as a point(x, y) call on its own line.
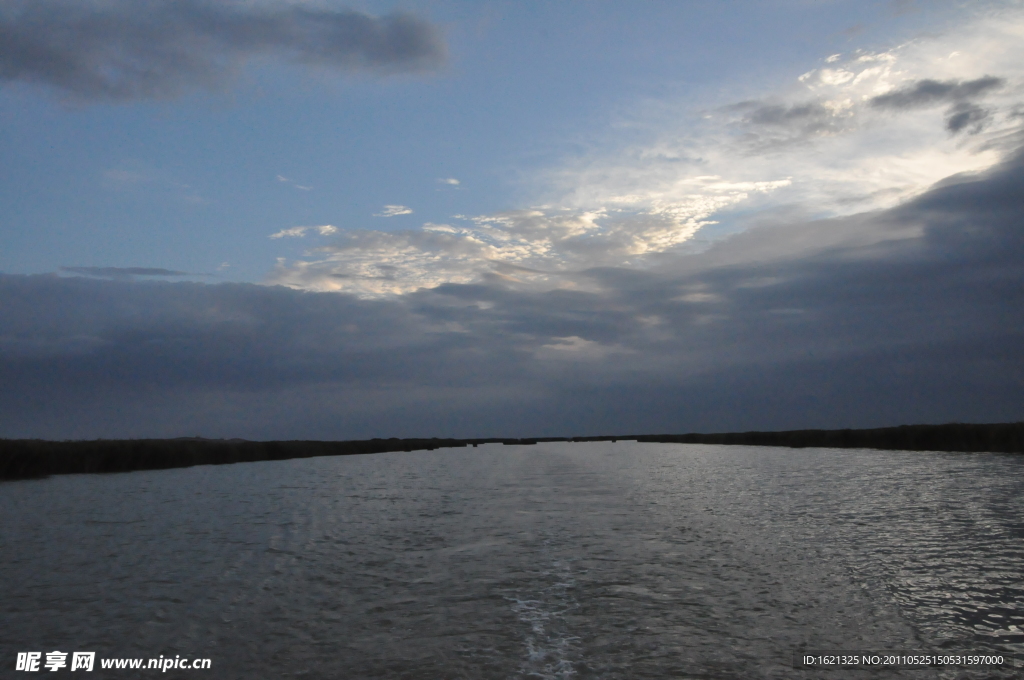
point(562, 560)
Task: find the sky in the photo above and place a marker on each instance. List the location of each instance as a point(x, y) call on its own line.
point(321, 220)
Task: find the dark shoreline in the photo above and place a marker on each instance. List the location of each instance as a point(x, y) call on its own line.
point(33, 458)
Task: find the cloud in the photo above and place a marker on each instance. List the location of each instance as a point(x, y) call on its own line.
point(930, 92)
point(909, 314)
point(962, 115)
point(119, 50)
point(811, 116)
point(858, 132)
point(450, 181)
point(831, 130)
point(292, 232)
point(299, 232)
point(575, 348)
point(393, 210)
point(804, 259)
point(925, 93)
point(122, 272)
point(537, 247)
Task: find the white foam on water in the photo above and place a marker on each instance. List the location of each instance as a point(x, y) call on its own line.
point(549, 647)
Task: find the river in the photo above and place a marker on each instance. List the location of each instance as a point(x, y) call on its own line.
point(560, 560)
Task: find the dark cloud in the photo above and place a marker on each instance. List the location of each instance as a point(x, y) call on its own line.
point(122, 272)
point(914, 314)
point(775, 114)
point(130, 49)
point(963, 114)
point(770, 126)
point(935, 92)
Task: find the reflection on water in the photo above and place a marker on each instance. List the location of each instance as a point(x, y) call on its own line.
point(595, 560)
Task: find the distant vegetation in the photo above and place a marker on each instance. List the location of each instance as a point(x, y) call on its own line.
point(996, 437)
point(26, 458)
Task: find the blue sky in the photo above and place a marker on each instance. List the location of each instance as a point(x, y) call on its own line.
point(540, 164)
point(190, 182)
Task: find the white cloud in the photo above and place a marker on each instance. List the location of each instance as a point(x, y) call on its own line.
point(841, 154)
point(816, 149)
point(536, 247)
point(393, 210)
point(449, 180)
point(299, 232)
point(293, 232)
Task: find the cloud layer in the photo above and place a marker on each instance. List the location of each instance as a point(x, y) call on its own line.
point(911, 314)
point(861, 131)
point(847, 252)
point(141, 49)
point(122, 272)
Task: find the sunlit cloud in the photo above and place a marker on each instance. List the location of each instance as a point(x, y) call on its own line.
point(450, 181)
point(855, 132)
point(293, 232)
point(299, 232)
point(393, 211)
point(575, 348)
point(839, 132)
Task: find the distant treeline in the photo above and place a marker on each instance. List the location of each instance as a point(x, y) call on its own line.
point(26, 458)
point(996, 437)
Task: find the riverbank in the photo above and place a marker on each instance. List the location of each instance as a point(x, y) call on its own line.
point(28, 458)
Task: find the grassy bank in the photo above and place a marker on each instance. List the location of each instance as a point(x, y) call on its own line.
point(27, 458)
